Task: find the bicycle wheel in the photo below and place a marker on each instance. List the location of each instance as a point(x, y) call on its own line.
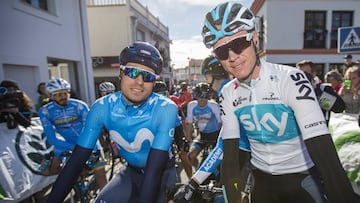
point(110, 157)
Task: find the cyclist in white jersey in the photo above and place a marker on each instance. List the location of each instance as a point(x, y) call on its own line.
point(289, 140)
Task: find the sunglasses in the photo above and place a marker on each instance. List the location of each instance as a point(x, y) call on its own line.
point(237, 45)
point(134, 72)
point(59, 94)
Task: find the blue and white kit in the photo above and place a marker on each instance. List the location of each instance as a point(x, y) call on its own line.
point(269, 110)
point(206, 118)
point(68, 121)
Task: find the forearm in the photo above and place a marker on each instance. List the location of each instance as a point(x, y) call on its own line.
point(323, 153)
point(230, 170)
point(69, 174)
point(154, 170)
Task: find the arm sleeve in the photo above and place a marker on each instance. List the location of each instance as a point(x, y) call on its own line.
point(153, 172)
point(69, 174)
point(230, 170)
point(323, 154)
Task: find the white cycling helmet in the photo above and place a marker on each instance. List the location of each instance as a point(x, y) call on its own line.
point(226, 19)
point(57, 84)
point(106, 87)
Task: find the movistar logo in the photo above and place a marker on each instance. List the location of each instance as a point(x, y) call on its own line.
point(142, 135)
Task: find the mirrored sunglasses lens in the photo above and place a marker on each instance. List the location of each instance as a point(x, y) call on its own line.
point(134, 73)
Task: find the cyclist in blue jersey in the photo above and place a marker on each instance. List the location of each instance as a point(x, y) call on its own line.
point(142, 125)
point(204, 115)
point(65, 116)
point(292, 153)
point(216, 75)
point(106, 88)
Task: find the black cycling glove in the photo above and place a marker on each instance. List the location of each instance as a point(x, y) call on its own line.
point(184, 194)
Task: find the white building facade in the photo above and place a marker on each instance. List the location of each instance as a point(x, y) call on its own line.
point(41, 39)
point(113, 25)
point(295, 30)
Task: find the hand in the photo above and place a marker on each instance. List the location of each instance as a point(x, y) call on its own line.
point(184, 194)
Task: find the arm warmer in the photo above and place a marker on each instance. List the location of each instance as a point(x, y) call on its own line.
point(337, 185)
point(231, 169)
point(69, 174)
point(154, 171)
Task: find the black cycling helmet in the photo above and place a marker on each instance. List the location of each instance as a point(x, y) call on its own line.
point(160, 86)
point(202, 90)
point(142, 53)
point(212, 66)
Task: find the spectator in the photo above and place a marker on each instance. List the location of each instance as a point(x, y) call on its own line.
point(328, 99)
point(351, 91)
point(309, 67)
point(347, 64)
point(334, 78)
point(15, 105)
point(43, 97)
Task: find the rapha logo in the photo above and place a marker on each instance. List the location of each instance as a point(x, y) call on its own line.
point(271, 97)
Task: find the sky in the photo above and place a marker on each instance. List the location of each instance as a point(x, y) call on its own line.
point(184, 18)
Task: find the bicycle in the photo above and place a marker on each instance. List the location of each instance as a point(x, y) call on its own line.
point(85, 188)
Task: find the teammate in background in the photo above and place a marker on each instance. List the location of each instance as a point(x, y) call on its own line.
point(67, 117)
point(141, 123)
point(204, 115)
point(106, 88)
point(215, 74)
point(291, 147)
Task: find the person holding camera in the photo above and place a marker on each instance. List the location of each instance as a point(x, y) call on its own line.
point(15, 105)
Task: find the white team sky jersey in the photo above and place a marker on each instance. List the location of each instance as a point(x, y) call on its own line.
point(278, 111)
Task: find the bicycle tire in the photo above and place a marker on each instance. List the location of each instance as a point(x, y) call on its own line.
point(110, 157)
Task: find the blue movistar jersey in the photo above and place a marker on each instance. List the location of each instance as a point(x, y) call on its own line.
point(206, 118)
point(135, 129)
point(68, 121)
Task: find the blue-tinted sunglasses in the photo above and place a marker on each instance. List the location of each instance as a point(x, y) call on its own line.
point(134, 72)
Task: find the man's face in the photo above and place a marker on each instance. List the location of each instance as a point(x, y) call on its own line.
point(135, 90)
point(61, 97)
point(240, 64)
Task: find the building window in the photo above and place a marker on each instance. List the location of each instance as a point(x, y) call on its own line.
point(41, 4)
point(140, 35)
point(315, 32)
point(339, 19)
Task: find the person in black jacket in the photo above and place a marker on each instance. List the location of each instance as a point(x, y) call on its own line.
point(15, 105)
point(329, 100)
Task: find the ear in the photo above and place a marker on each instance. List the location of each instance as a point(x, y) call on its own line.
point(256, 38)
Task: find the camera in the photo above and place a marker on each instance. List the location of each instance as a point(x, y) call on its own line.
point(8, 101)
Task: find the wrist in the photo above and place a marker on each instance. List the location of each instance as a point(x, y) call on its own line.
point(193, 184)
